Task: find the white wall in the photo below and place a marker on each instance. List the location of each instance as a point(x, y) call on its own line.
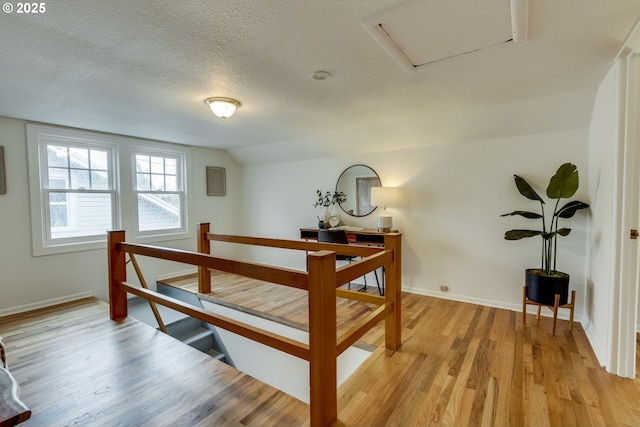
point(602, 191)
point(452, 197)
point(28, 282)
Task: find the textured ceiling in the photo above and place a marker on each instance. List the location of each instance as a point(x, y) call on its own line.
point(144, 68)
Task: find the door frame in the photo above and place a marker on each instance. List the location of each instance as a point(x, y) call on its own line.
point(624, 289)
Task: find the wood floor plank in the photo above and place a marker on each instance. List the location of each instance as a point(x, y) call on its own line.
point(463, 415)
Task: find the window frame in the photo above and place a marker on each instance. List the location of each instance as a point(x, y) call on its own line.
point(38, 138)
point(124, 206)
point(181, 166)
point(73, 193)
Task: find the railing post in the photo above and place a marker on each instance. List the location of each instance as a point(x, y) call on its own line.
point(393, 292)
point(204, 247)
point(322, 338)
point(117, 275)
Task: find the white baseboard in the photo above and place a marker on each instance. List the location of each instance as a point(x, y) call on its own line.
point(44, 304)
point(562, 314)
point(600, 355)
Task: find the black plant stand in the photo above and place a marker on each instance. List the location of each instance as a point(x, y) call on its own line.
point(554, 308)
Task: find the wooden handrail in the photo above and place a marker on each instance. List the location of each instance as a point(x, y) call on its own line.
point(321, 282)
point(281, 276)
point(351, 249)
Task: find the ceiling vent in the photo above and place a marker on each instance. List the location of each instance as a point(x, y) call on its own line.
point(421, 33)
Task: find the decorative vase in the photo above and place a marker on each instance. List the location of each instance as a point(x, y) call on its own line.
point(321, 224)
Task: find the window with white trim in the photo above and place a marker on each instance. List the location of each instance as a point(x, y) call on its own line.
point(158, 191)
point(78, 188)
point(76, 194)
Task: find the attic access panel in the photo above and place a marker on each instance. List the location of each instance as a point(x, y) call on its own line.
point(422, 33)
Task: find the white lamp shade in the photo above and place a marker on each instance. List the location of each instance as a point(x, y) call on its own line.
point(383, 196)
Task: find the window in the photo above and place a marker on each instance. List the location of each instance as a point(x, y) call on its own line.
point(76, 197)
point(159, 194)
point(78, 191)
point(73, 189)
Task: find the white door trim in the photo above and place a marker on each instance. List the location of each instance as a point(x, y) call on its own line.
point(624, 298)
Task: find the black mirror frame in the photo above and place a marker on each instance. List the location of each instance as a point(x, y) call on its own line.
point(338, 181)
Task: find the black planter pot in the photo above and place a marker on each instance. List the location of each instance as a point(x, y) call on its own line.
point(543, 289)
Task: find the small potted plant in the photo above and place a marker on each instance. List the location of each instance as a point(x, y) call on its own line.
point(544, 282)
point(327, 199)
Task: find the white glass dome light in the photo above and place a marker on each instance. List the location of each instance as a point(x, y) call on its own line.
point(222, 107)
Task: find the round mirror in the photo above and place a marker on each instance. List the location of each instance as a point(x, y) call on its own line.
point(356, 182)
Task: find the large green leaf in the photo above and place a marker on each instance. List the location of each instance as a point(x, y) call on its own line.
point(564, 183)
point(570, 209)
point(530, 215)
point(520, 234)
point(526, 190)
point(562, 232)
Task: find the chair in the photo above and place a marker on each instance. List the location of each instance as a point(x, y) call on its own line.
point(340, 237)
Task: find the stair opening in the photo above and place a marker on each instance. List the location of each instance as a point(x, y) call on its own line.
point(278, 369)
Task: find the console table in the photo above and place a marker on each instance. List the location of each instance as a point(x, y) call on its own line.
point(359, 237)
point(362, 237)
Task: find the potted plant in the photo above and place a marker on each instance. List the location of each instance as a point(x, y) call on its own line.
point(544, 282)
point(327, 199)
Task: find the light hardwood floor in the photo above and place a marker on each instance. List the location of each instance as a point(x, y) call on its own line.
point(459, 364)
point(76, 367)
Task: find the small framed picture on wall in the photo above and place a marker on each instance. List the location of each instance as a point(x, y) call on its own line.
point(3, 174)
point(216, 181)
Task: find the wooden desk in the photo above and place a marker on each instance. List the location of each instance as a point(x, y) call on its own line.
point(362, 237)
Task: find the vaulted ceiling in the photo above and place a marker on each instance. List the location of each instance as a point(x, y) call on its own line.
point(402, 70)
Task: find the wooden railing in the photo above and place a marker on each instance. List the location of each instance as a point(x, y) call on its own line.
point(321, 280)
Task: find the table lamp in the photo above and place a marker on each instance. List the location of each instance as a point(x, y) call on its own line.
point(384, 196)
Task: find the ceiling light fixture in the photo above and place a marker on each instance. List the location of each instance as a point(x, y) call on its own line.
point(222, 107)
point(321, 75)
